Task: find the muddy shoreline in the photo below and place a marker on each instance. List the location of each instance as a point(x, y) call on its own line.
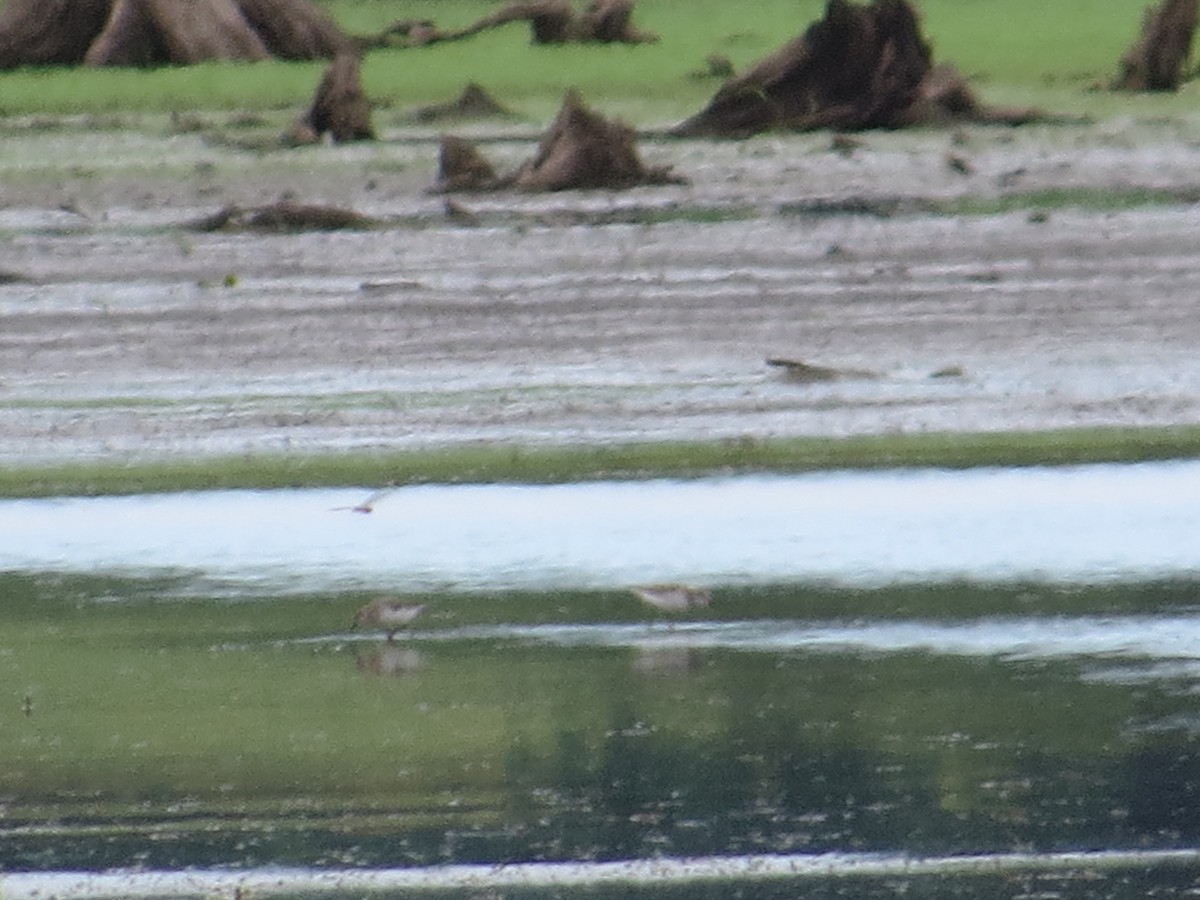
point(585, 318)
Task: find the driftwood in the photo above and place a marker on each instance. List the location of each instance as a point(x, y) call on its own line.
point(799, 372)
point(859, 67)
point(339, 107)
point(285, 216)
point(1157, 59)
point(158, 32)
point(581, 150)
point(550, 22)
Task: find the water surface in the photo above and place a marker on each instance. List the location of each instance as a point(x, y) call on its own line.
point(1087, 523)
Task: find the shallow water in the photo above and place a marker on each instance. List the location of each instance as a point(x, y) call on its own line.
point(1080, 524)
point(978, 683)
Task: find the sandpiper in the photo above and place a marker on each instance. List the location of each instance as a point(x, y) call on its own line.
point(367, 506)
point(672, 597)
point(388, 613)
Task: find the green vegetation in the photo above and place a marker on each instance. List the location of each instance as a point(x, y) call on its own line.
point(1108, 199)
point(580, 463)
point(1023, 51)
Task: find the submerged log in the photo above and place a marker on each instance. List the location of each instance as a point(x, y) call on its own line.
point(1157, 59)
point(285, 216)
point(581, 150)
point(859, 67)
point(162, 32)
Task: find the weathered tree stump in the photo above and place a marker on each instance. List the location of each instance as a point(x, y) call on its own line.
point(1157, 59)
point(581, 150)
point(161, 32)
point(339, 108)
point(49, 32)
point(859, 67)
point(461, 167)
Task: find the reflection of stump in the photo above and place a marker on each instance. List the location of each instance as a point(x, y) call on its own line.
point(1156, 60)
point(339, 108)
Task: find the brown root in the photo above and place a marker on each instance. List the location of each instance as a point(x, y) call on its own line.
point(1157, 59)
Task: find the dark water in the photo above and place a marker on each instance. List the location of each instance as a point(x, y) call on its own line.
point(150, 732)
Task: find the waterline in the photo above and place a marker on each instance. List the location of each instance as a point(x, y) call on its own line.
point(274, 882)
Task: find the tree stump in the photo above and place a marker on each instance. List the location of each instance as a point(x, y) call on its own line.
point(1157, 58)
point(49, 32)
point(340, 108)
point(581, 150)
point(143, 32)
point(859, 67)
point(461, 167)
point(162, 32)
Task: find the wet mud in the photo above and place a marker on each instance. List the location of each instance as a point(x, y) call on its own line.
point(987, 279)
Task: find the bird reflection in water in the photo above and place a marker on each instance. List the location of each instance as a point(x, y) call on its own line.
point(663, 660)
point(389, 660)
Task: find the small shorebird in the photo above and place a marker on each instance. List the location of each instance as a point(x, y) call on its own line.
point(672, 597)
point(388, 613)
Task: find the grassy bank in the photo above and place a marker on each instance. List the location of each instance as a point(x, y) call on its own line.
point(575, 463)
point(1023, 51)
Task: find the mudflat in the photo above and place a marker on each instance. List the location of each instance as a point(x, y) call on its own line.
point(973, 280)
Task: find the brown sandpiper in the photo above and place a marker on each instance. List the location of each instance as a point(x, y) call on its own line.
point(389, 613)
point(672, 597)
